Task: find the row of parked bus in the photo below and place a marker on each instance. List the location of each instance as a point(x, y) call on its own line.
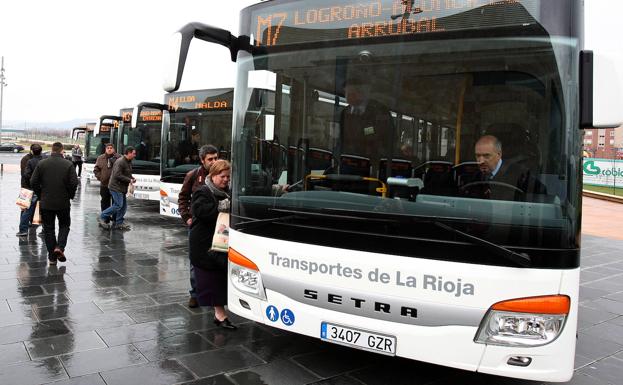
point(353, 129)
point(167, 137)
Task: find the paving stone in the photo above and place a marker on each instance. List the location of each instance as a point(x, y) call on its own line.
point(219, 361)
point(607, 370)
point(25, 332)
point(32, 372)
point(100, 360)
point(64, 344)
point(91, 379)
point(177, 345)
point(278, 372)
point(133, 333)
point(11, 353)
point(155, 373)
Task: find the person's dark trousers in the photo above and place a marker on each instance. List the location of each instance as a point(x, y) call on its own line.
point(106, 197)
point(48, 218)
point(26, 216)
point(193, 284)
point(79, 165)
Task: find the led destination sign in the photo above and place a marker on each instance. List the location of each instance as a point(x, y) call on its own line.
point(151, 116)
point(299, 22)
point(199, 101)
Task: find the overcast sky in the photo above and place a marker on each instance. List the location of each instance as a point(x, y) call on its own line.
point(67, 59)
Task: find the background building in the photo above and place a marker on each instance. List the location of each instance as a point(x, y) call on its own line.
point(604, 143)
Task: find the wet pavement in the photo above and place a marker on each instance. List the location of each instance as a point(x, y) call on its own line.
point(115, 314)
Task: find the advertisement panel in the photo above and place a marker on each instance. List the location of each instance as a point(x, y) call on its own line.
point(603, 172)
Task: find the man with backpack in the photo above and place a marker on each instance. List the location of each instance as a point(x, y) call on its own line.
point(194, 179)
point(27, 215)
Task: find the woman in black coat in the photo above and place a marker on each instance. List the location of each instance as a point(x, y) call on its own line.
point(211, 265)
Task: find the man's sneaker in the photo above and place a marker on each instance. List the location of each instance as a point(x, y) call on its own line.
point(22, 234)
point(52, 261)
point(103, 223)
point(60, 255)
point(192, 303)
point(122, 226)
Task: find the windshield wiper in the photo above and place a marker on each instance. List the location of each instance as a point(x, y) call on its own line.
point(260, 222)
point(522, 259)
point(296, 214)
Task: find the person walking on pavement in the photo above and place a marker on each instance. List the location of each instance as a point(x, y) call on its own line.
point(120, 179)
point(102, 171)
point(195, 179)
point(76, 158)
point(26, 216)
point(54, 180)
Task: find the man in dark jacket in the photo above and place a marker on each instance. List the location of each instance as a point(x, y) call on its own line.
point(23, 162)
point(499, 178)
point(194, 179)
point(26, 215)
point(102, 171)
point(120, 179)
point(55, 182)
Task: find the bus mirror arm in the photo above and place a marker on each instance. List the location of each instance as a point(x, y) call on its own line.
point(219, 36)
point(180, 44)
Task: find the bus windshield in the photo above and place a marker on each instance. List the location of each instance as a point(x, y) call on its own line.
point(197, 118)
point(145, 139)
point(96, 145)
point(400, 130)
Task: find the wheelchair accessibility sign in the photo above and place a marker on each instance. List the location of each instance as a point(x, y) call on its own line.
point(287, 317)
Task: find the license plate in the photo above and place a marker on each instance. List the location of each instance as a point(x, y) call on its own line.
point(141, 196)
point(357, 338)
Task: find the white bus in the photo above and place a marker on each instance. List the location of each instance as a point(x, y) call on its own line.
point(193, 119)
point(97, 135)
point(388, 237)
point(145, 135)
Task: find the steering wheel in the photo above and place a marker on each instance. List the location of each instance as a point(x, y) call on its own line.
point(491, 183)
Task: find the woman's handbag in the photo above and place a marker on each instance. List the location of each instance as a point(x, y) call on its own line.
point(36, 217)
point(24, 199)
point(220, 240)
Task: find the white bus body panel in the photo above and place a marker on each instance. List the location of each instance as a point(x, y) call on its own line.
point(444, 344)
point(87, 169)
point(169, 193)
point(147, 187)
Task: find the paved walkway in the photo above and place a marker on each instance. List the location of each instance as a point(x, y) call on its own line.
point(602, 218)
point(115, 314)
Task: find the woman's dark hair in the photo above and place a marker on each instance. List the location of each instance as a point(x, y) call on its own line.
point(207, 149)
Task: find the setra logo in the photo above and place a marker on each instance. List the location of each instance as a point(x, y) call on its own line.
point(591, 169)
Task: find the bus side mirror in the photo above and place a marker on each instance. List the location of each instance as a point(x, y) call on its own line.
point(135, 112)
point(601, 85)
point(98, 125)
point(180, 43)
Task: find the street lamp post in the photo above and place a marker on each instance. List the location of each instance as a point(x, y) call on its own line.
point(2, 84)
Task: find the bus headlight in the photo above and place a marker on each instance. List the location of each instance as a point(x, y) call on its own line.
point(247, 281)
point(164, 198)
point(245, 275)
point(527, 322)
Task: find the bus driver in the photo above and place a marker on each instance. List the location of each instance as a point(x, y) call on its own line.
point(499, 179)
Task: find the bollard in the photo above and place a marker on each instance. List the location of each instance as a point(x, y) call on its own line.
point(1, 169)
